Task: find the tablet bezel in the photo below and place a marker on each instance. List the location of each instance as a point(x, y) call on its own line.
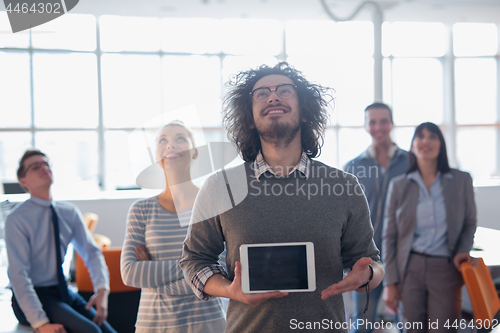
point(311, 268)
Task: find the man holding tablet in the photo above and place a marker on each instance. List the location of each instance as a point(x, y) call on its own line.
point(277, 120)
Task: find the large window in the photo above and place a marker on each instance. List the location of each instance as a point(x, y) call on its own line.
point(78, 86)
point(475, 48)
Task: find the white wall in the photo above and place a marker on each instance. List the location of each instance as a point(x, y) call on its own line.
point(112, 208)
point(112, 216)
point(488, 206)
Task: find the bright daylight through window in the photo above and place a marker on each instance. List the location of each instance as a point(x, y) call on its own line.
point(78, 98)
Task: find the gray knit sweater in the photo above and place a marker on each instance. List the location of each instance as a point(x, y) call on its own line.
point(328, 209)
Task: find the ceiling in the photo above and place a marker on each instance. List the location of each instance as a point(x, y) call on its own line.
point(447, 11)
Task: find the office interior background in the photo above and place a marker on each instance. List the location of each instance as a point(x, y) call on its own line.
point(78, 86)
point(82, 86)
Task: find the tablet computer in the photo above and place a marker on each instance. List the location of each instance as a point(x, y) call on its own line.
point(287, 267)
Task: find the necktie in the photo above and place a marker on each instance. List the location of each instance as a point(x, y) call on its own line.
point(63, 288)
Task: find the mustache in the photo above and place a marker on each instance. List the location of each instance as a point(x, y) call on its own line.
point(264, 111)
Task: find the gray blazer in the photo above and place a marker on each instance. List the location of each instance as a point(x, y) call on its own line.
point(401, 215)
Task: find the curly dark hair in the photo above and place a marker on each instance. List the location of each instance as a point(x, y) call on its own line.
point(238, 116)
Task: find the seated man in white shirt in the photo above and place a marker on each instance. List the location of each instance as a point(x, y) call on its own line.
point(41, 298)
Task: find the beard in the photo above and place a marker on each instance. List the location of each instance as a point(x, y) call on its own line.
point(278, 133)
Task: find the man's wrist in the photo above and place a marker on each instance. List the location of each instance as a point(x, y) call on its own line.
point(367, 286)
point(101, 287)
point(199, 280)
point(37, 329)
point(39, 324)
point(369, 279)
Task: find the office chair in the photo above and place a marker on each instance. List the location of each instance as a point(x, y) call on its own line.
point(482, 293)
point(91, 220)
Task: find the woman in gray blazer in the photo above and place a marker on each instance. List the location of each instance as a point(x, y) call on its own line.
point(429, 229)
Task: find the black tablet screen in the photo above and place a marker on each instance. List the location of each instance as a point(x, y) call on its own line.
point(277, 267)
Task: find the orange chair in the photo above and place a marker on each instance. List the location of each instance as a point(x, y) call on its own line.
point(112, 258)
point(482, 292)
point(123, 301)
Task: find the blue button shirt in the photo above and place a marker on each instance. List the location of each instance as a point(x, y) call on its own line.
point(375, 183)
point(29, 237)
point(431, 232)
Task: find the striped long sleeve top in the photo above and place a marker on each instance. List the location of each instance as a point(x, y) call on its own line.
point(167, 301)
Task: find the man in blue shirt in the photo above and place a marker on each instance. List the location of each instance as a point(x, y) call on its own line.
point(375, 167)
point(40, 295)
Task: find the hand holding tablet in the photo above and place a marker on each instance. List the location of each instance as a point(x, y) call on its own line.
point(287, 267)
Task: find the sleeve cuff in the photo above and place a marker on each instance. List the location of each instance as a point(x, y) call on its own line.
point(199, 279)
point(101, 286)
point(40, 323)
point(390, 279)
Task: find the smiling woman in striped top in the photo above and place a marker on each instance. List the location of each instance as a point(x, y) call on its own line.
point(156, 229)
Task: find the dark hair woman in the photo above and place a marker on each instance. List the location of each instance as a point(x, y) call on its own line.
point(428, 231)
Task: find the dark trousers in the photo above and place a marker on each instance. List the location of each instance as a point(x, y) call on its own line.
point(431, 295)
point(72, 315)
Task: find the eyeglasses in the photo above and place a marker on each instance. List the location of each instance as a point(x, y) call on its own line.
point(283, 90)
point(36, 166)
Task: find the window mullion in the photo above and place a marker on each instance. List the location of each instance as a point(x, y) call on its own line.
point(497, 59)
point(32, 125)
point(448, 62)
point(101, 168)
